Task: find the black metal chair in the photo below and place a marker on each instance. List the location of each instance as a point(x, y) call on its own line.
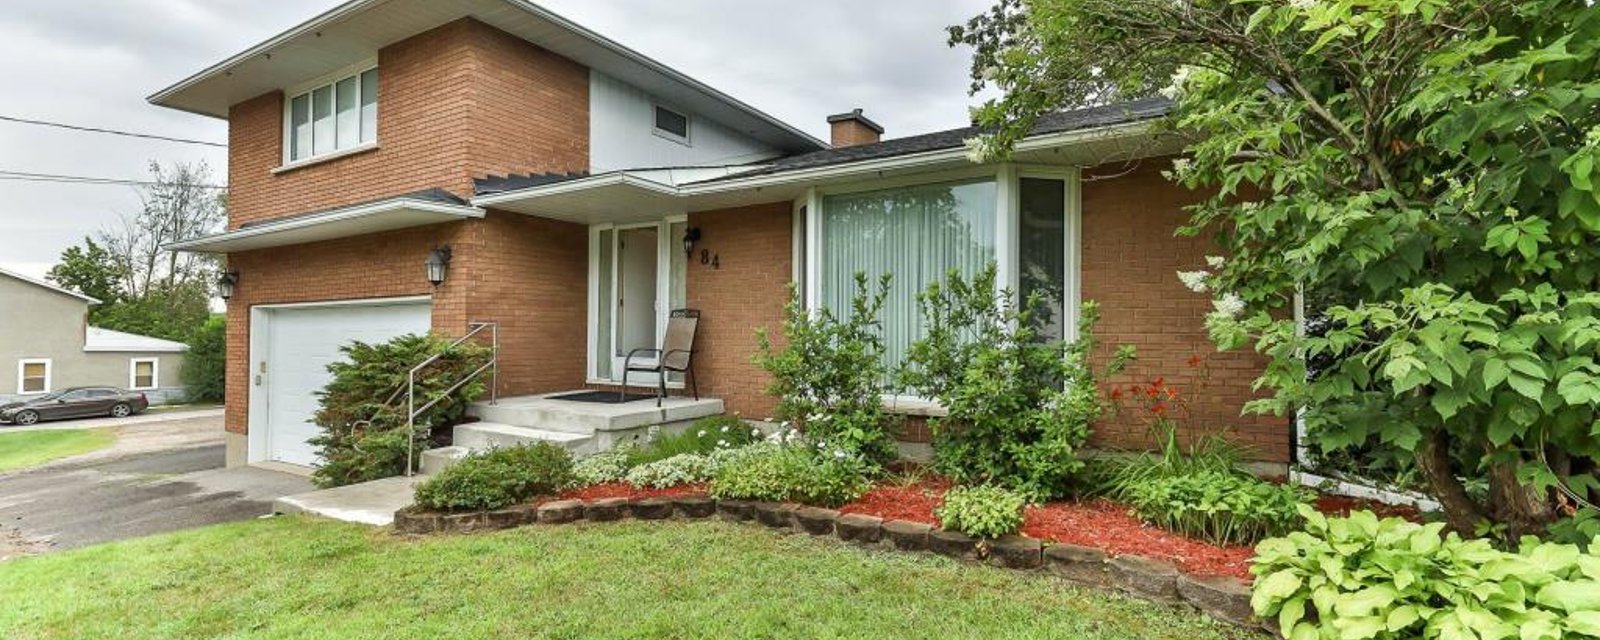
point(676, 355)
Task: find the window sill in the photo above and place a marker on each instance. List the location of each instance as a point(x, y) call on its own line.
point(908, 406)
point(326, 157)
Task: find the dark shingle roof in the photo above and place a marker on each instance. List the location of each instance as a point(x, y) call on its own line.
point(504, 184)
point(435, 195)
point(1059, 122)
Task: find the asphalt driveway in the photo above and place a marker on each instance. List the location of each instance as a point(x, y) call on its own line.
point(162, 476)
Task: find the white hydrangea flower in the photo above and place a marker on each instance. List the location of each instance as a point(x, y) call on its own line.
point(722, 443)
point(1181, 166)
point(1194, 280)
point(702, 434)
point(990, 73)
point(1216, 262)
point(724, 429)
point(755, 433)
point(980, 149)
point(839, 454)
point(1230, 305)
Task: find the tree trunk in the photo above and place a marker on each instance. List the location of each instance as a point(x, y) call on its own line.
point(1523, 509)
point(1433, 460)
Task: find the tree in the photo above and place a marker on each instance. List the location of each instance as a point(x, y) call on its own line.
point(1429, 166)
point(204, 372)
point(89, 270)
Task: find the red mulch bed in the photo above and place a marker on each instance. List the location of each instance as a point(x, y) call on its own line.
point(912, 503)
point(1342, 506)
point(625, 490)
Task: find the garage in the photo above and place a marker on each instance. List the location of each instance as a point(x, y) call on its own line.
point(291, 348)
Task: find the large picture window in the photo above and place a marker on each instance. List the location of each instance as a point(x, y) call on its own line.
point(916, 233)
point(333, 117)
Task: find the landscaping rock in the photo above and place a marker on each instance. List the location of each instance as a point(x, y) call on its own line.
point(1220, 597)
point(855, 527)
point(1083, 565)
point(416, 523)
point(653, 509)
point(560, 512)
point(953, 543)
point(695, 506)
point(1141, 576)
point(777, 516)
point(606, 510)
point(907, 536)
point(1016, 552)
point(736, 510)
point(815, 521)
point(461, 522)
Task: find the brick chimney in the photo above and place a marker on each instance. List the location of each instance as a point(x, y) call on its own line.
point(851, 129)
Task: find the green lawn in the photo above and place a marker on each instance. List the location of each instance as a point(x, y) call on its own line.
point(33, 448)
point(300, 578)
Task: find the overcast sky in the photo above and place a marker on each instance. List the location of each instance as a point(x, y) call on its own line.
point(93, 62)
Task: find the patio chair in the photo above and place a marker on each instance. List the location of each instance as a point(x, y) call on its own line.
point(676, 355)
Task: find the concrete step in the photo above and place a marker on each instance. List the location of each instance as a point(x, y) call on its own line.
point(482, 436)
point(437, 460)
point(372, 503)
point(546, 414)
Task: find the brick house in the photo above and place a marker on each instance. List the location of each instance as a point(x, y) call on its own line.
point(583, 191)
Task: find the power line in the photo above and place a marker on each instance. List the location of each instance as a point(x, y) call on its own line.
point(21, 176)
point(114, 132)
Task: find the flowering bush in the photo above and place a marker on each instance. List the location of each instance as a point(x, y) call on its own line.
point(688, 468)
point(984, 511)
point(704, 436)
point(791, 468)
point(601, 468)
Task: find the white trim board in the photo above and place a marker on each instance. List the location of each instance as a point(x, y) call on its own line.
point(133, 374)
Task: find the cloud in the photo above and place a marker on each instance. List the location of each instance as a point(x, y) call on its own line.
point(92, 62)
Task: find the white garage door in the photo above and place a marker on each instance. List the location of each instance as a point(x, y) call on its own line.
point(300, 343)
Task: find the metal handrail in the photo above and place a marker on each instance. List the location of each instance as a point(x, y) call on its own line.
point(493, 366)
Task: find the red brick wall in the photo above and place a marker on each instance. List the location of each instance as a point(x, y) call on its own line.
point(755, 247)
point(1131, 256)
point(460, 101)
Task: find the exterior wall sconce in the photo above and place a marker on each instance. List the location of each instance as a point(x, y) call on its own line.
point(226, 284)
point(690, 237)
point(438, 265)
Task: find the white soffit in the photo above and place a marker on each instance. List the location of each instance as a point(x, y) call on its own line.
point(389, 215)
point(356, 31)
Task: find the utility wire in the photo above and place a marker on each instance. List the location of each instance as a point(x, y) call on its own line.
point(20, 176)
point(114, 132)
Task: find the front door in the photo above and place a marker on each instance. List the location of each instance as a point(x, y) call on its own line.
point(636, 280)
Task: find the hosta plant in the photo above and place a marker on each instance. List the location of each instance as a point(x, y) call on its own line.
point(1219, 506)
point(1361, 577)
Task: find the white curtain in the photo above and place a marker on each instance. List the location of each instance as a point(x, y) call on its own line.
point(918, 234)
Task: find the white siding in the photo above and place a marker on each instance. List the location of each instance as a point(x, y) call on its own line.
point(621, 133)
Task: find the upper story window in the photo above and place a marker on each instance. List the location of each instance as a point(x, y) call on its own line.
point(672, 124)
point(336, 116)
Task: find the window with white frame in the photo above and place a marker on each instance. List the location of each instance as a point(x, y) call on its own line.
point(671, 124)
point(33, 376)
point(144, 374)
point(337, 116)
point(1024, 222)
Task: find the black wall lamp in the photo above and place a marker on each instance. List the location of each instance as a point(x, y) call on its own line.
point(438, 265)
point(226, 284)
point(690, 237)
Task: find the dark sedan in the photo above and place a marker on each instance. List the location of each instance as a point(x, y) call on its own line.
point(82, 402)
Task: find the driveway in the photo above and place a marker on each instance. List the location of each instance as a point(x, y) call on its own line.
point(162, 475)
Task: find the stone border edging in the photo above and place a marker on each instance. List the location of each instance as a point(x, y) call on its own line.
point(1221, 597)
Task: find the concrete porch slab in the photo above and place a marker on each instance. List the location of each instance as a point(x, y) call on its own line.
point(544, 412)
point(371, 503)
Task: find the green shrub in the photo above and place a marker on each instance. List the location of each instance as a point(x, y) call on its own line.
point(984, 511)
point(602, 468)
point(498, 479)
point(791, 473)
point(830, 376)
point(1020, 407)
point(362, 412)
point(681, 469)
point(204, 363)
point(1360, 577)
point(1221, 507)
point(702, 437)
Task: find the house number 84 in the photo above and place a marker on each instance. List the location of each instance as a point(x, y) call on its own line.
point(712, 259)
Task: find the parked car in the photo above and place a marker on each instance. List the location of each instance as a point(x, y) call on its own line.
point(80, 402)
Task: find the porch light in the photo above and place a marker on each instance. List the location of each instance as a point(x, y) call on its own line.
point(691, 236)
point(438, 265)
point(226, 283)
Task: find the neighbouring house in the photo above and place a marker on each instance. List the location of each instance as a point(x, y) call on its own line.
point(46, 345)
point(580, 191)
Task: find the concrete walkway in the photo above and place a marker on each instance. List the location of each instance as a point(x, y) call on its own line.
point(371, 503)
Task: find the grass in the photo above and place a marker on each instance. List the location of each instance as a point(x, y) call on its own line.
point(300, 578)
point(33, 448)
point(180, 408)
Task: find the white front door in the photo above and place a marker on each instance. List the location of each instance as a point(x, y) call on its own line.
point(300, 343)
point(636, 278)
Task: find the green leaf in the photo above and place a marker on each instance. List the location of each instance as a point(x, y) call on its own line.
point(1584, 622)
point(1273, 589)
point(1570, 596)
